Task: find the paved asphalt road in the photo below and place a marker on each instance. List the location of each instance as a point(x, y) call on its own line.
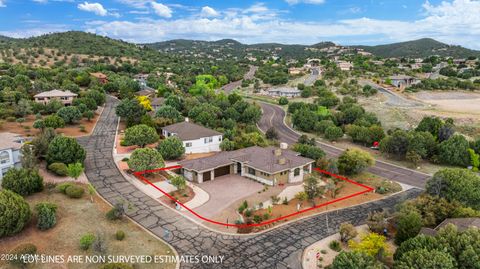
point(233, 85)
point(274, 115)
point(279, 248)
point(315, 73)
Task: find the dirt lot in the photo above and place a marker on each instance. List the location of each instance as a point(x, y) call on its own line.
point(347, 189)
point(26, 128)
point(75, 217)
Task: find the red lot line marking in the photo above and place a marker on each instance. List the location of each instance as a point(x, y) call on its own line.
point(367, 189)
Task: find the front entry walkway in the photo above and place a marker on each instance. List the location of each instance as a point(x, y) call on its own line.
point(224, 191)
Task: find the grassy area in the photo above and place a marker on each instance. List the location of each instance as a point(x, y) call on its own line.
point(76, 217)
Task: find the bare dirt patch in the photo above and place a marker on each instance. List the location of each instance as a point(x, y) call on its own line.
point(72, 130)
point(76, 217)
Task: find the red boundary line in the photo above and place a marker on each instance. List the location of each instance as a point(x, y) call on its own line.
point(367, 189)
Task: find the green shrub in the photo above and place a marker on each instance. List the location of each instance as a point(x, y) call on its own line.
point(335, 246)
point(74, 191)
point(21, 252)
point(257, 218)
point(22, 181)
point(116, 212)
point(62, 187)
point(120, 235)
point(46, 217)
point(242, 207)
point(248, 213)
point(59, 169)
point(86, 241)
point(14, 214)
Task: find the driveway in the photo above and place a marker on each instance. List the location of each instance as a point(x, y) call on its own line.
point(224, 191)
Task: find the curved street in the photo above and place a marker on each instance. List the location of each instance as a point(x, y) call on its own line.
point(274, 115)
point(278, 248)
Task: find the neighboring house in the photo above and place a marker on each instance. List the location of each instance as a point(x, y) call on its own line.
point(157, 102)
point(402, 81)
point(146, 91)
point(461, 223)
point(101, 77)
point(141, 79)
point(10, 145)
point(66, 97)
point(296, 70)
point(196, 138)
point(270, 166)
point(284, 91)
point(344, 65)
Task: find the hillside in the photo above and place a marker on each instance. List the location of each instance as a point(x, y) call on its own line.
point(78, 43)
point(419, 48)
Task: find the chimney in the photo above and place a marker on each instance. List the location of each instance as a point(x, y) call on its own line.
point(283, 145)
point(186, 119)
point(282, 161)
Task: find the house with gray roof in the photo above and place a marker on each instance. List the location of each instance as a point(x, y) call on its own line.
point(462, 224)
point(270, 165)
point(10, 145)
point(66, 97)
point(284, 91)
point(196, 138)
point(401, 81)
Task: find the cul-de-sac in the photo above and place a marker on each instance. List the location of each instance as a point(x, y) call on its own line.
point(239, 134)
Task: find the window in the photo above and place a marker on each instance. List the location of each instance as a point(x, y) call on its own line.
point(210, 139)
point(188, 144)
point(207, 140)
point(251, 171)
point(4, 157)
point(296, 172)
point(219, 138)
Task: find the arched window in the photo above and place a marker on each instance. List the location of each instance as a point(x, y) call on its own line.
point(4, 157)
point(296, 172)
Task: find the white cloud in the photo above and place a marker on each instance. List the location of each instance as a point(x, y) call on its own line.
point(314, 2)
point(2, 3)
point(136, 3)
point(209, 12)
point(161, 10)
point(41, 1)
point(96, 8)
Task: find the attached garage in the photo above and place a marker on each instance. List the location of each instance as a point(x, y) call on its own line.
point(221, 171)
point(207, 176)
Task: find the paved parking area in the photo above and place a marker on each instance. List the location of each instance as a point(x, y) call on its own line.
point(224, 191)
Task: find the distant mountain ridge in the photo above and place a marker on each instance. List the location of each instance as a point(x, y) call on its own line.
point(419, 48)
point(88, 43)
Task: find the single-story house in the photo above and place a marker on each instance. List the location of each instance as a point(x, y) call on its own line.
point(157, 102)
point(461, 223)
point(101, 77)
point(284, 91)
point(66, 97)
point(344, 65)
point(196, 138)
point(146, 91)
point(270, 166)
point(401, 81)
point(10, 145)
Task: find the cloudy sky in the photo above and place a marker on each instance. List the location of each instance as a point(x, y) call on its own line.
point(286, 21)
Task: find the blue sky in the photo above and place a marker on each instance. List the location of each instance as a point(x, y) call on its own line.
point(286, 21)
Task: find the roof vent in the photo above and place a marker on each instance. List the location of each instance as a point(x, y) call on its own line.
point(278, 152)
point(283, 145)
point(187, 119)
point(282, 161)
